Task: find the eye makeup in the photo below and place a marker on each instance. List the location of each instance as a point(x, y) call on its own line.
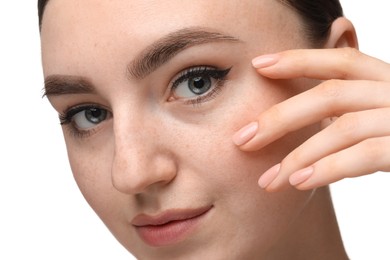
point(82, 120)
point(199, 84)
point(192, 86)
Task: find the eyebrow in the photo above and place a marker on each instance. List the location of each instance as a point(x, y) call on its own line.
point(170, 45)
point(56, 85)
point(151, 58)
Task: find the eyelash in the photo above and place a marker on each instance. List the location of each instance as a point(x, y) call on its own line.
point(202, 71)
point(67, 118)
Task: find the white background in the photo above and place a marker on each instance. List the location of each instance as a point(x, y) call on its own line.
point(42, 213)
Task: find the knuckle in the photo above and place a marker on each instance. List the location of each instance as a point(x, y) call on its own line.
point(296, 158)
point(373, 150)
point(347, 125)
point(350, 54)
point(330, 89)
point(334, 166)
point(349, 57)
point(333, 95)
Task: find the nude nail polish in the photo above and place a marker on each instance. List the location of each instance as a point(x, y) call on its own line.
point(246, 134)
point(301, 176)
point(269, 176)
point(264, 61)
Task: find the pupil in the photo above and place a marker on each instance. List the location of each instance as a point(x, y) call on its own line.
point(200, 85)
point(95, 112)
point(95, 115)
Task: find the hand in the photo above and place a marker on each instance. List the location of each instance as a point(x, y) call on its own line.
point(355, 91)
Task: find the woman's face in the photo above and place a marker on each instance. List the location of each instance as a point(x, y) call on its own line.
point(151, 93)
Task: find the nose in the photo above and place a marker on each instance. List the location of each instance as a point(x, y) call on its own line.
point(141, 161)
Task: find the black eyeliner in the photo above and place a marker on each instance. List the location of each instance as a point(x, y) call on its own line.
point(219, 75)
point(67, 116)
point(199, 72)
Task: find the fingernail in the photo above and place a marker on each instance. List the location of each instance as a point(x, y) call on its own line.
point(301, 176)
point(265, 61)
point(245, 134)
point(269, 176)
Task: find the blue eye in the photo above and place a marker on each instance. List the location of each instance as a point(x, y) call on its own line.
point(194, 86)
point(89, 117)
point(197, 82)
point(85, 117)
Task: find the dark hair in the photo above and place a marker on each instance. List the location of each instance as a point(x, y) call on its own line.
point(41, 9)
point(317, 15)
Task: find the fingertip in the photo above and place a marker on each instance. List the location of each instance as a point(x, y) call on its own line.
point(245, 134)
point(278, 184)
point(265, 61)
point(301, 176)
point(269, 176)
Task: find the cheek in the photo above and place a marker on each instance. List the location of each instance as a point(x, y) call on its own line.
point(91, 167)
point(242, 102)
point(231, 175)
point(246, 213)
point(92, 171)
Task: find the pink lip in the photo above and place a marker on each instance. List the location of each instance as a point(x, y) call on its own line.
point(168, 227)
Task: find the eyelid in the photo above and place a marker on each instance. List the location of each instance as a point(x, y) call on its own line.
point(66, 116)
point(66, 120)
point(219, 75)
point(201, 70)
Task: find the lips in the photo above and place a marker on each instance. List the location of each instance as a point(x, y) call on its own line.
point(170, 226)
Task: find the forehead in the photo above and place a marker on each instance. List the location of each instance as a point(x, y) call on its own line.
point(146, 17)
point(72, 28)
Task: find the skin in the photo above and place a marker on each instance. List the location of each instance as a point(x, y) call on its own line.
point(157, 152)
point(354, 142)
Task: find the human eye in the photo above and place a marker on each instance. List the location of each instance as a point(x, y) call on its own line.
point(83, 120)
point(198, 84)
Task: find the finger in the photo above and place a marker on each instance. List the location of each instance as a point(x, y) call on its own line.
point(340, 63)
point(330, 98)
point(349, 130)
point(367, 157)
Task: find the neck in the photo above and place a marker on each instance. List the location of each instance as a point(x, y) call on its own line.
point(315, 233)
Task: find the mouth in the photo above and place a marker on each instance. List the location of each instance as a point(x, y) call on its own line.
point(169, 227)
